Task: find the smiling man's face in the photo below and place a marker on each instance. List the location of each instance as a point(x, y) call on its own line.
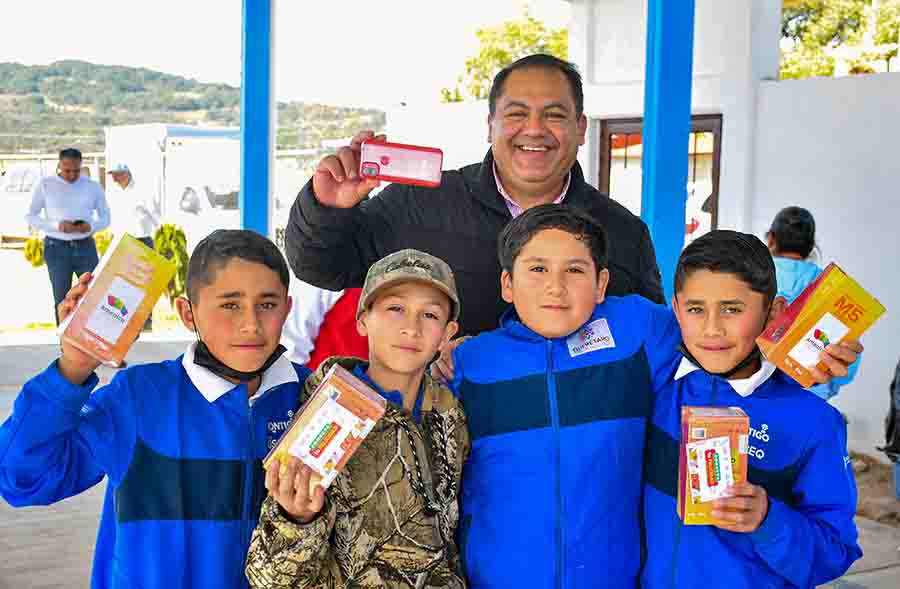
point(535, 133)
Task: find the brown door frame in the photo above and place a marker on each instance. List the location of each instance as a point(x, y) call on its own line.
point(699, 124)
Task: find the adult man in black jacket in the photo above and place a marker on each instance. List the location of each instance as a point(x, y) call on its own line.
point(536, 125)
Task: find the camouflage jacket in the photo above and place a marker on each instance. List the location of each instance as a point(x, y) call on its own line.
point(389, 518)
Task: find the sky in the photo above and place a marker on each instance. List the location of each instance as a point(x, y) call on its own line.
point(351, 52)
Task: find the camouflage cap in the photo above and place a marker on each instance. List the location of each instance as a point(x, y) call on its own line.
point(406, 265)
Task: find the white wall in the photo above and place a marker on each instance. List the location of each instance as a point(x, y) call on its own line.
point(831, 145)
point(607, 40)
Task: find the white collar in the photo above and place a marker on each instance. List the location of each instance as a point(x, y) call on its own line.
point(213, 386)
point(742, 386)
point(515, 208)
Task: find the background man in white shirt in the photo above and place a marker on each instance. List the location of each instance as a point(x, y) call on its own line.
point(69, 208)
point(138, 204)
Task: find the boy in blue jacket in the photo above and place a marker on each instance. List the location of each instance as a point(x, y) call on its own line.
point(180, 441)
point(791, 524)
point(558, 401)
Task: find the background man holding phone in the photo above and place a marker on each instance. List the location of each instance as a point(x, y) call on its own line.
point(535, 125)
point(74, 207)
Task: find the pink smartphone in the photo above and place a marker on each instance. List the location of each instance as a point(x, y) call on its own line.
point(398, 162)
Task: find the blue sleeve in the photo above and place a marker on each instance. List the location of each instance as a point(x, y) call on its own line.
point(61, 440)
point(814, 541)
point(661, 336)
point(851, 373)
point(456, 382)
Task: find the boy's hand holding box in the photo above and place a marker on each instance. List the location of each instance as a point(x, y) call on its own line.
point(712, 459)
point(330, 426)
point(833, 308)
point(125, 286)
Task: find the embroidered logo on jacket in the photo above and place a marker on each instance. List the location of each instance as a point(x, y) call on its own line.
point(275, 428)
point(591, 337)
point(761, 436)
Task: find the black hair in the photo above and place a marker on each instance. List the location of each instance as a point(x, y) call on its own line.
point(523, 228)
point(730, 252)
point(222, 245)
point(70, 153)
point(539, 60)
point(794, 232)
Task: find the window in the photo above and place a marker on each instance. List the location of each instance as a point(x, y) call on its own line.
point(621, 151)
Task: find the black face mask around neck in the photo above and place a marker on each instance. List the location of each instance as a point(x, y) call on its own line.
point(203, 357)
point(751, 357)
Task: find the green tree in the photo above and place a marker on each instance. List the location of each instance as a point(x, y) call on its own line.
point(500, 46)
point(887, 29)
point(827, 22)
point(170, 242)
point(813, 28)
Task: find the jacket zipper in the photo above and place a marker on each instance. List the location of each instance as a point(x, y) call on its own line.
point(248, 480)
point(554, 418)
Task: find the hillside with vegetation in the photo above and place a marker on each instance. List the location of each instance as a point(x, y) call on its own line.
point(67, 103)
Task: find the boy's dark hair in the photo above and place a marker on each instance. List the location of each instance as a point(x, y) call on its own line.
point(794, 232)
point(539, 60)
point(216, 249)
point(730, 252)
point(69, 153)
point(523, 228)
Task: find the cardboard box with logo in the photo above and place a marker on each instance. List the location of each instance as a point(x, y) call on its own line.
point(833, 308)
point(712, 458)
point(125, 286)
point(330, 426)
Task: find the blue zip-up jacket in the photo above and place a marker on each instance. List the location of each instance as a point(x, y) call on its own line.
point(793, 276)
point(797, 451)
point(552, 490)
point(182, 451)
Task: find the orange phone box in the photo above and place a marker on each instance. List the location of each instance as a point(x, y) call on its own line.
point(712, 458)
point(330, 426)
point(830, 309)
point(125, 286)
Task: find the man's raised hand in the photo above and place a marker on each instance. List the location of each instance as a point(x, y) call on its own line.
point(336, 182)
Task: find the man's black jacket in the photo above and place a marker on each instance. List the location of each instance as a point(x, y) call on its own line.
point(459, 221)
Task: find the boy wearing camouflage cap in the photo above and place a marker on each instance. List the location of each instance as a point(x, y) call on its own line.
point(390, 517)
